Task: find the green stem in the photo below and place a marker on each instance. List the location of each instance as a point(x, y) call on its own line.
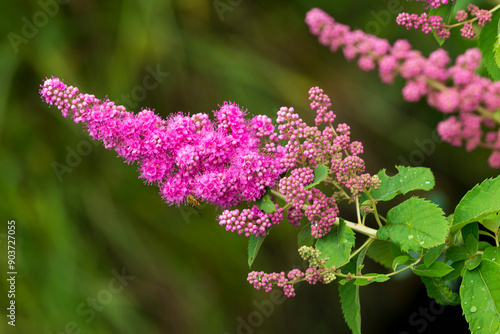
point(405, 268)
point(374, 206)
point(357, 210)
point(360, 228)
point(366, 244)
point(278, 195)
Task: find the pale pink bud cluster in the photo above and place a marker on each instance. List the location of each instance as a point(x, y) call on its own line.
point(449, 88)
point(321, 210)
point(427, 23)
point(250, 221)
point(317, 272)
point(434, 3)
point(424, 22)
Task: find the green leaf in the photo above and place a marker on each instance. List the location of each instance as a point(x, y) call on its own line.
point(488, 43)
point(415, 224)
point(440, 291)
point(473, 262)
point(437, 269)
point(265, 204)
point(496, 51)
point(336, 245)
point(470, 229)
point(254, 244)
point(492, 253)
point(483, 245)
point(433, 253)
point(492, 222)
point(457, 253)
point(320, 173)
point(445, 12)
point(379, 278)
point(471, 244)
point(360, 259)
point(399, 260)
point(480, 202)
point(457, 270)
point(380, 251)
point(349, 295)
point(480, 296)
point(305, 238)
point(408, 179)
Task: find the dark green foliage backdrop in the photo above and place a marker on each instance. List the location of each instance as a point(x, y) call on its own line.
point(76, 231)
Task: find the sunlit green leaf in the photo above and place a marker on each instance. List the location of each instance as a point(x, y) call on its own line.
point(408, 179)
point(480, 202)
point(336, 245)
point(415, 224)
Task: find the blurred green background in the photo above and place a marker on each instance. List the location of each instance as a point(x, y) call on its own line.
point(185, 274)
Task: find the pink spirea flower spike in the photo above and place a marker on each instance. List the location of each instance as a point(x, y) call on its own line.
point(221, 162)
point(469, 100)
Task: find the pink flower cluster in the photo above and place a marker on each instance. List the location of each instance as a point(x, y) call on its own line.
point(427, 23)
point(424, 22)
point(475, 98)
point(250, 221)
point(308, 147)
point(435, 3)
point(482, 15)
point(321, 210)
point(221, 162)
point(317, 272)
